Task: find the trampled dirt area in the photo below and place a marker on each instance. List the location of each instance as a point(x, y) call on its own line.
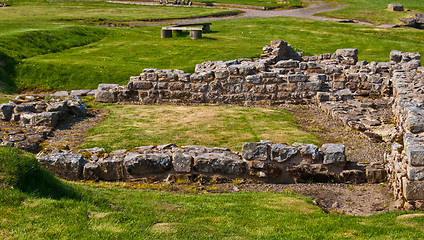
point(356, 199)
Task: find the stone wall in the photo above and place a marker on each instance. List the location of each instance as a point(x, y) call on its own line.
point(265, 161)
point(406, 160)
point(279, 76)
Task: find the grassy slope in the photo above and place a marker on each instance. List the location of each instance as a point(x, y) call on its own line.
point(133, 126)
point(95, 212)
point(122, 53)
point(374, 11)
point(76, 10)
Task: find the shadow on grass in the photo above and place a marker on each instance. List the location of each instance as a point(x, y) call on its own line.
point(20, 170)
point(7, 73)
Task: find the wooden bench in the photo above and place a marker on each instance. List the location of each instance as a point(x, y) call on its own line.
point(195, 32)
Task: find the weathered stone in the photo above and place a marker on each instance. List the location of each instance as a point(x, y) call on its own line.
point(415, 154)
point(60, 106)
point(111, 169)
point(106, 87)
point(375, 174)
point(47, 119)
point(413, 190)
point(307, 151)
point(333, 153)
point(29, 145)
point(415, 173)
point(256, 151)
point(60, 94)
point(141, 164)
point(395, 7)
point(311, 173)
point(6, 111)
point(182, 162)
point(80, 93)
point(263, 169)
point(352, 176)
point(93, 154)
point(91, 171)
point(63, 164)
point(219, 163)
point(281, 152)
point(287, 64)
point(106, 96)
point(76, 106)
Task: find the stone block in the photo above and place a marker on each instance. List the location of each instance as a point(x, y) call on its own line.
point(333, 153)
point(281, 152)
point(6, 111)
point(66, 165)
point(287, 64)
point(256, 151)
point(140, 85)
point(76, 106)
point(60, 106)
point(91, 171)
point(111, 169)
point(415, 154)
point(60, 94)
point(46, 119)
point(107, 86)
point(106, 96)
point(307, 151)
point(395, 7)
point(224, 163)
point(412, 190)
point(263, 169)
point(182, 162)
point(415, 173)
point(142, 164)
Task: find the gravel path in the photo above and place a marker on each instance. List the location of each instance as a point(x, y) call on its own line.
point(307, 12)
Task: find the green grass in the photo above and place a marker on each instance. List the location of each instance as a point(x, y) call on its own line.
point(374, 11)
point(44, 11)
point(133, 126)
point(260, 3)
point(126, 52)
point(98, 212)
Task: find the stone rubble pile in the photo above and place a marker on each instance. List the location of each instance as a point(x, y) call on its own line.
point(32, 118)
point(267, 161)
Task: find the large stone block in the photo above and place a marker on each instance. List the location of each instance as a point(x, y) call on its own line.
point(182, 162)
point(415, 173)
point(76, 106)
point(333, 153)
point(106, 96)
point(6, 111)
point(395, 7)
point(415, 154)
point(263, 169)
point(309, 152)
point(111, 169)
point(225, 163)
point(141, 164)
point(413, 190)
point(281, 152)
point(91, 171)
point(66, 165)
point(46, 119)
point(256, 151)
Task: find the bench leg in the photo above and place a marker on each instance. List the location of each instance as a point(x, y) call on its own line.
point(206, 28)
point(165, 33)
point(196, 34)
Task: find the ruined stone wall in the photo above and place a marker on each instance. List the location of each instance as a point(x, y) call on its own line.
point(265, 161)
point(279, 76)
point(406, 160)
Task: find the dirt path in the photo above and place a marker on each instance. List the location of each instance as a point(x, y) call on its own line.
point(307, 12)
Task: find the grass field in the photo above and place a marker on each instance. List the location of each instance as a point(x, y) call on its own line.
point(374, 11)
point(134, 126)
point(43, 51)
point(35, 205)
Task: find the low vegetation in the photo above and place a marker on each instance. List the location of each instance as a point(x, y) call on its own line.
point(374, 11)
point(219, 126)
point(90, 211)
point(260, 3)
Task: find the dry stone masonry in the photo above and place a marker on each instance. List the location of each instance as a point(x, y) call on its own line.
point(273, 162)
point(383, 100)
point(34, 117)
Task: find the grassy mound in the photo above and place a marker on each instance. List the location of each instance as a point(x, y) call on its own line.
point(20, 171)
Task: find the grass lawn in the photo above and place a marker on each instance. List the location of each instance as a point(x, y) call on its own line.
point(126, 52)
point(261, 3)
point(41, 207)
point(374, 11)
point(213, 126)
point(42, 11)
